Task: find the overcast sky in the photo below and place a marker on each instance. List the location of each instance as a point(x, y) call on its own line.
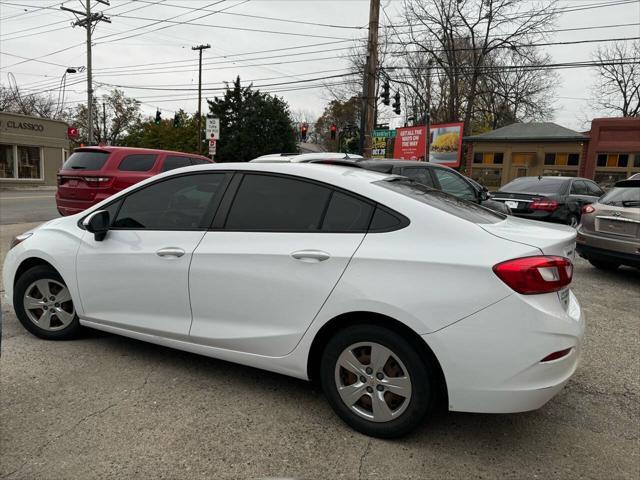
point(135, 38)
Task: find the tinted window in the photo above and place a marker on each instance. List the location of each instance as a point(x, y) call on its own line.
point(198, 161)
point(383, 221)
point(602, 160)
point(86, 161)
point(346, 214)
point(137, 163)
point(171, 162)
point(535, 185)
point(179, 203)
point(593, 189)
point(549, 158)
point(579, 188)
point(453, 184)
point(270, 203)
point(442, 201)
point(420, 175)
point(498, 157)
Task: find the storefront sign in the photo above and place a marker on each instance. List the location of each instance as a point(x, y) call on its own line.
point(36, 127)
point(445, 146)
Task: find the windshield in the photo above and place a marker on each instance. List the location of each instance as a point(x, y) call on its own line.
point(535, 185)
point(86, 161)
point(440, 200)
point(622, 197)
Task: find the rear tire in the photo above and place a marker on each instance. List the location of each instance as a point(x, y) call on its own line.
point(387, 388)
point(43, 304)
point(604, 265)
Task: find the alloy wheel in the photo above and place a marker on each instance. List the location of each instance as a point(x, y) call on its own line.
point(373, 382)
point(48, 304)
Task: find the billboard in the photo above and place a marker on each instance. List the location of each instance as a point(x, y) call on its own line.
point(445, 147)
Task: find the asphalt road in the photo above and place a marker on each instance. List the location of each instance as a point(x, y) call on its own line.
point(111, 407)
point(18, 206)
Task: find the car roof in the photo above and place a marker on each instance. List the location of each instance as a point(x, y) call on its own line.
point(109, 148)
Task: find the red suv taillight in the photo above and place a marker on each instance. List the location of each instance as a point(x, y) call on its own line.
point(533, 275)
point(97, 181)
point(546, 205)
point(588, 209)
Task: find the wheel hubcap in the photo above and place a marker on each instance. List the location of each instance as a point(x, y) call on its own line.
point(373, 382)
point(48, 304)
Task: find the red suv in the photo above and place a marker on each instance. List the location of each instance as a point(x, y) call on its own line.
point(92, 174)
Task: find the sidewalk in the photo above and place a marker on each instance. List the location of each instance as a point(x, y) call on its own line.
point(28, 188)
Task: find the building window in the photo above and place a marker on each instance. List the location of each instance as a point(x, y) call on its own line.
point(636, 161)
point(562, 159)
point(613, 160)
point(7, 161)
point(554, 172)
point(608, 179)
point(488, 158)
point(29, 162)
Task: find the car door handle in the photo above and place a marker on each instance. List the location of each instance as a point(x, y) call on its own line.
point(311, 256)
point(170, 252)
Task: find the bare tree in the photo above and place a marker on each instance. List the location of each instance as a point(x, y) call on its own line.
point(461, 37)
point(13, 100)
point(522, 92)
point(617, 88)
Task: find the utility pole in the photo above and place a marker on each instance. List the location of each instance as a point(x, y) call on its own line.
point(200, 48)
point(367, 121)
point(88, 20)
point(104, 122)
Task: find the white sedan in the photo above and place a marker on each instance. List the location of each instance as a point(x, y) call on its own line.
point(391, 295)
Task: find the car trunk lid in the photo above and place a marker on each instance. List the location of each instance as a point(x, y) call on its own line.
point(550, 239)
point(520, 202)
point(617, 221)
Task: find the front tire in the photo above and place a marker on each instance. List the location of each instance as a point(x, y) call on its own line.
point(43, 304)
point(377, 381)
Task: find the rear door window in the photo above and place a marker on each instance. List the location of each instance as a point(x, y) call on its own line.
point(455, 185)
point(578, 187)
point(198, 161)
point(137, 163)
point(419, 174)
point(175, 161)
point(347, 214)
point(593, 189)
point(86, 161)
point(277, 204)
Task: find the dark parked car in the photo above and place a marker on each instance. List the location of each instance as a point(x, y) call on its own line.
point(551, 199)
point(437, 176)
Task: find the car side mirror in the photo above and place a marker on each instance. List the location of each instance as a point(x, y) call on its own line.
point(98, 224)
point(484, 194)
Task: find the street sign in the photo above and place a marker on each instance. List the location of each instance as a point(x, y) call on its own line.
point(212, 147)
point(213, 128)
point(383, 133)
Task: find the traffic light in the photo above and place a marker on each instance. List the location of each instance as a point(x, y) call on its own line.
point(334, 129)
point(176, 120)
point(158, 118)
point(303, 132)
point(396, 103)
point(385, 92)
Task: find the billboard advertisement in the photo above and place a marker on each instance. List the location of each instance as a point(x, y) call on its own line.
point(445, 147)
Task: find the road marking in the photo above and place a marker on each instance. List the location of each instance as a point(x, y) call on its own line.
point(25, 198)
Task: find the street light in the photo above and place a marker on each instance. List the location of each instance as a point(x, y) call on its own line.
point(63, 87)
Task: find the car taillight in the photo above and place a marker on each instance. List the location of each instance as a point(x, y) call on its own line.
point(96, 181)
point(533, 275)
point(588, 209)
point(546, 205)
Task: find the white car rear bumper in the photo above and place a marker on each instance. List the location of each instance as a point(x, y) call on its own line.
point(492, 359)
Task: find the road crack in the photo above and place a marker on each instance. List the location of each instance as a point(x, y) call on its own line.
point(364, 454)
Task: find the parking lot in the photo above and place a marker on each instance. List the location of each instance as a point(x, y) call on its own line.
point(111, 407)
